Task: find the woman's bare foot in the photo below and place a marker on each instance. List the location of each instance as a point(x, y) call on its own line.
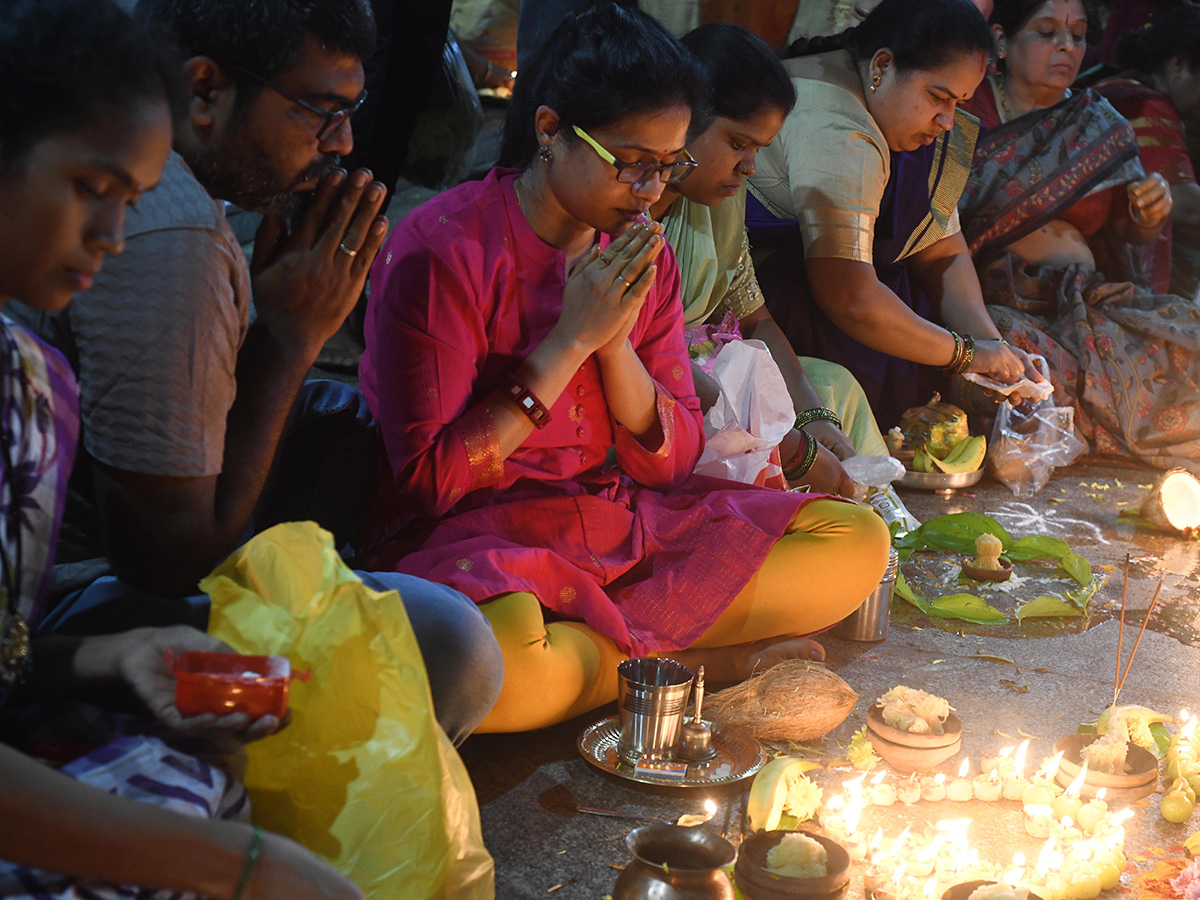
point(739, 662)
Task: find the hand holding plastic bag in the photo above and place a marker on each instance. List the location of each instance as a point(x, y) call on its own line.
point(751, 416)
point(1029, 441)
point(364, 776)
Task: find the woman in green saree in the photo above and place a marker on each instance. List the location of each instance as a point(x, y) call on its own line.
point(704, 221)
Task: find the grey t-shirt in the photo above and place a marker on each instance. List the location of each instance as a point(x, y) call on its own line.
point(154, 343)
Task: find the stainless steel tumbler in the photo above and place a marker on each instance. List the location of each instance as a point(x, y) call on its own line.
point(651, 696)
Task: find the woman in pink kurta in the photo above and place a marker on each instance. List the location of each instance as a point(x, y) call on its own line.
point(526, 364)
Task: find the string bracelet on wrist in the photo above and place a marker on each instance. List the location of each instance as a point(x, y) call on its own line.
point(802, 461)
point(251, 863)
point(526, 401)
point(818, 414)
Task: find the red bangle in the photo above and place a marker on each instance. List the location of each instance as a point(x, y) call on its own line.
point(527, 401)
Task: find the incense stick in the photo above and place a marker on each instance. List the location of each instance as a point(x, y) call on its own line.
point(1121, 632)
point(1145, 622)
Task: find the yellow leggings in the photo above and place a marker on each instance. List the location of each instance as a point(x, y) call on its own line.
point(830, 559)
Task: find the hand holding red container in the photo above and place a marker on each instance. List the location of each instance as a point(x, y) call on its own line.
point(222, 684)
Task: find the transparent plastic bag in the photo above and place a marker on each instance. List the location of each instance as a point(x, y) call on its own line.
point(1029, 441)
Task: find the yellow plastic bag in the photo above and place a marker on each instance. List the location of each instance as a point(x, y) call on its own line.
point(363, 776)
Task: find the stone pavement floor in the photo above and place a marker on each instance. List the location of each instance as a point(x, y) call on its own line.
point(1058, 674)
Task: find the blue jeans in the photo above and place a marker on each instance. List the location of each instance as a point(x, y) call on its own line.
point(461, 655)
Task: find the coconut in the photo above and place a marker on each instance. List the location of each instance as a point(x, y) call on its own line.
point(939, 426)
point(796, 700)
point(1174, 502)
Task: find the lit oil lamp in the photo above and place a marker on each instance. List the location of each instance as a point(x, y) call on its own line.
point(1092, 813)
point(987, 787)
point(933, 787)
point(1014, 783)
point(1069, 804)
point(1038, 820)
point(959, 789)
point(1041, 790)
point(883, 793)
point(690, 821)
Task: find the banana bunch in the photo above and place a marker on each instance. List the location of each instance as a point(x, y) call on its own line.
point(967, 456)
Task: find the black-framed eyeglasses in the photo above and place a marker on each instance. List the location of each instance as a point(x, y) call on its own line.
point(640, 172)
point(333, 118)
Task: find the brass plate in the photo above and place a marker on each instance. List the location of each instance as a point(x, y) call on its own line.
point(738, 756)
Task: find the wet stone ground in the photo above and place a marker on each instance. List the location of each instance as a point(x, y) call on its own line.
point(1040, 678)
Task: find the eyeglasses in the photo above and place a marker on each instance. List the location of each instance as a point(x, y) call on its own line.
point(333, 118)
point(640, 172)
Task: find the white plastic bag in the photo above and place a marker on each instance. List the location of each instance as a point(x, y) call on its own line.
point(1029, 441)
point(1023, 389)
point(751, 416)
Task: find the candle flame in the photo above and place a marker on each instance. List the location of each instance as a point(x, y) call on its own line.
point(939, 778)
point(898, 874)
point(1100, 794)
point(1186, 732)
point(995, 776)
point(962, 770)
point(1050, 768)
point(899, 842)
point(931, 887)
point(835, 802)
point(1045, 858)
point(878, 778)
point(1019, 760)
point(1123, 816)
point(710, 808)
point(876, 840)
point(1077, 785)
point(853, 811)
point(1067, 822)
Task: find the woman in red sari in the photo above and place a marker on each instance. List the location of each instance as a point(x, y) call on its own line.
point(524, 334)
point(1158, 89)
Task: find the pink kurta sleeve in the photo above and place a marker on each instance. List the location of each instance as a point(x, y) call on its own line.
point(426, 339)
point(659, 343)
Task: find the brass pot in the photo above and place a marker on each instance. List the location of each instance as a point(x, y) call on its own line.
point(675, 863)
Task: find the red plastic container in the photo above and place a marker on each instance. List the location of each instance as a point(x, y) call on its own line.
point(226, 683)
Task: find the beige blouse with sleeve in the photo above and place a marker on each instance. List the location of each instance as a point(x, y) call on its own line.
point(827, 168)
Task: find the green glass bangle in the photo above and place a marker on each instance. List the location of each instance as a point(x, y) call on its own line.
point(816, 414)
point(807, 456)
point(251, 863)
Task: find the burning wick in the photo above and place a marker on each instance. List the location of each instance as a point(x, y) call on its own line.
point(690, 821)
point(960, 789)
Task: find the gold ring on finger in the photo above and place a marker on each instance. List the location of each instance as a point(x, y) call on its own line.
point(621, 277)
point(607, 259)
point(347, 250)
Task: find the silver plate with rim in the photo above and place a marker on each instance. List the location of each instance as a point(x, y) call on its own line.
point(940, 481)
point(738, 756)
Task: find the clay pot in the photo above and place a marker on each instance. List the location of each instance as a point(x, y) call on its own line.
point(1002, 574)
point(675, 863)
point(1139, 779)
point(951, 731)
point(757, 883)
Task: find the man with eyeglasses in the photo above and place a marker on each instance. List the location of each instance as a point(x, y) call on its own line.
point(199, 429)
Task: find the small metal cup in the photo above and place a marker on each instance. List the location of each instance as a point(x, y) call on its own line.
point(870, 621)
point(651, 696)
